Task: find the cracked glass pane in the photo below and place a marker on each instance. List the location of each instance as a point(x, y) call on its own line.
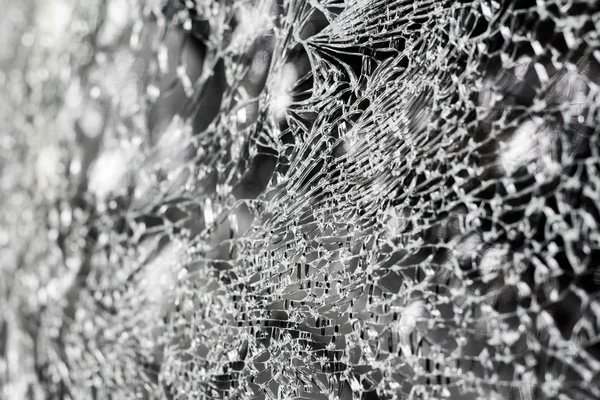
point(281, 199)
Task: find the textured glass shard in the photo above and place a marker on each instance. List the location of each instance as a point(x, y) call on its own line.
point(324, 199)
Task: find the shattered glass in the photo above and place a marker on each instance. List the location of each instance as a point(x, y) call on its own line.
point(289, 199)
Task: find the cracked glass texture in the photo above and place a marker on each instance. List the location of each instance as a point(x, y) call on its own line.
point(286, 199)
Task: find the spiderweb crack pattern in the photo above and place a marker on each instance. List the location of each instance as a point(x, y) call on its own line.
point(323, 199)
